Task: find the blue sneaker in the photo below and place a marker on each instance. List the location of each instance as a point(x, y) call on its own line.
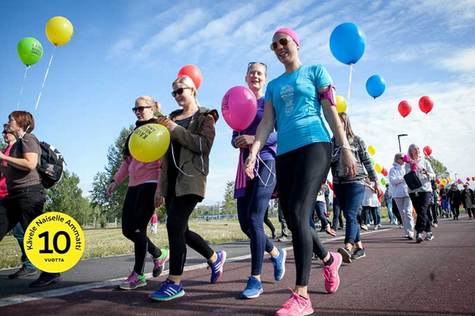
point(168, 291)
point(217, 266)
point(253, 288)
point(279, 264)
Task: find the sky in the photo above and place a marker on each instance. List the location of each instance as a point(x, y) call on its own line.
point(123, 49)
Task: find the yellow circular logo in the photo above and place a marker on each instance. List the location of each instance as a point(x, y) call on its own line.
point(54, 242)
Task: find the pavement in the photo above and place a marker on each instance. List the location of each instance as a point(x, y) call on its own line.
point(397, 277)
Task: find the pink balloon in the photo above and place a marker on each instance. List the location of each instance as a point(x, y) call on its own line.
point(239, 107)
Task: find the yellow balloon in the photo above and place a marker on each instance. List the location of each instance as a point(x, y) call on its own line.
point(340, 104)
point(371, 150)
point(444, 182)
point(378, 167)
point(149, 142)
point(59, 30)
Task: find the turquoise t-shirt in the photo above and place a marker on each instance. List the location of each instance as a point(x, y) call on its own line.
point(294, 97)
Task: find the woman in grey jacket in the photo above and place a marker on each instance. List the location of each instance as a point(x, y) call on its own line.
point(421, 197)
point(398, 189)
point(349, 190)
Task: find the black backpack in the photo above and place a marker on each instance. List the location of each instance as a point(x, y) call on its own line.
point(50, 165)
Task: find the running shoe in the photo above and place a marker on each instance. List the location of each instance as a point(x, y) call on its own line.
point(279, 264)
point(253, 288)
point(168, 291)
point(46, 279)
point(159, 263)
point(358, 254)
point(419, 238)
point(429, 236)
point(22, 273)
point(346, 254)
point(296, 305)
point(217, 266)
point(330, 273)
point(133, 281)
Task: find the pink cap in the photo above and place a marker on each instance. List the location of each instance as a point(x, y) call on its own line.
point(289, 32)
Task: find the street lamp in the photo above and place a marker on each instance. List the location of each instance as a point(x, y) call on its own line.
point(399, 140)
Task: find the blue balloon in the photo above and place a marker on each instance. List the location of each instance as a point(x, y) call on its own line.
point(375, 85)
point(347, 43)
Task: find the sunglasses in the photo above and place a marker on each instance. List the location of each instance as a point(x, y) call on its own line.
point(283, 42)
point(140, 108)
point(179, 91)
point(256, 63)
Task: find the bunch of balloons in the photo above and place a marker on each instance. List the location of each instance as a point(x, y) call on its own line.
point(239, 107)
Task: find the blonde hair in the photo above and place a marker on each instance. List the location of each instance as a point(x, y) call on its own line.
point(187, 82)
point(347, 126)
point(150, 101)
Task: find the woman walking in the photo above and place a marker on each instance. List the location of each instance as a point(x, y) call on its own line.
point(295, 101)
point(140, 201)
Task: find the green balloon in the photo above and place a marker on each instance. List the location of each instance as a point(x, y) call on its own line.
point(383, 181)
point(30, 50)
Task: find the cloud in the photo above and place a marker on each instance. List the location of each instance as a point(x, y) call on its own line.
point(462, 60)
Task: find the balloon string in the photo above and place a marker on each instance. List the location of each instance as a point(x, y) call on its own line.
point(21, 89)
point(44, 79)
point(349, 84)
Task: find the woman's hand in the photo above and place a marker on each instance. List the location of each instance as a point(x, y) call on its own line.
point(244, 141)
point(250, 163)
point(348, 162)
point(111, 188)
point(165, 121)
point(158, 199)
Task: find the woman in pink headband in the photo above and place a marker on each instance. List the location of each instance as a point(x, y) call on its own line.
point(295, 101)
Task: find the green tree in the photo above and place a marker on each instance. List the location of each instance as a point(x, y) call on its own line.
point(229, 203)
point(66, 196)
point(110, 207)
point(439, 168)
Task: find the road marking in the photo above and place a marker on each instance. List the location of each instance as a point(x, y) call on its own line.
point(23, 298)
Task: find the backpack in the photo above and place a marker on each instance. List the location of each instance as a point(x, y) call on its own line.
point(50, 164)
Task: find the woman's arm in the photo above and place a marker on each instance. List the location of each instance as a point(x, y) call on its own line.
point(29, 162)
point(263, 130)
point(331, 116)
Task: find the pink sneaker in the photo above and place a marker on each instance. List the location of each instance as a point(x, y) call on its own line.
point(296, 305)
point(330, 273)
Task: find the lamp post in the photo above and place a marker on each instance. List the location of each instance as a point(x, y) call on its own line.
point(399, 140)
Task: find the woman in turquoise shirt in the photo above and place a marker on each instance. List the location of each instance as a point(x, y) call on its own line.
point(294, 101)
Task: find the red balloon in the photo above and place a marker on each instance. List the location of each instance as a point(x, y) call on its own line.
point(426, 104)
point(193, 72)
point(384, 172)
point(427, 151)
point(437, 181)
point(404, 108)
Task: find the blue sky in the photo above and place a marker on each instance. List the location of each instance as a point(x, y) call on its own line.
point(124, 49)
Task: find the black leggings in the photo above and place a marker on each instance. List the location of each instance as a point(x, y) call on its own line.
point(21, 206)
point(138, 208)
point(300, 174)
point(179, 209)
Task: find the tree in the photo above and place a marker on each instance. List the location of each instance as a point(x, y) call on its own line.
point(439, 168)
point(110, 207)
point(66, 196)
point(229, 203)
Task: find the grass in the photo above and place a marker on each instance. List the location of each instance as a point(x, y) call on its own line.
point(110, 242)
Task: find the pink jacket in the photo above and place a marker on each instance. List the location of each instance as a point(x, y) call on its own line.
point(138, 172)
point(3, 180)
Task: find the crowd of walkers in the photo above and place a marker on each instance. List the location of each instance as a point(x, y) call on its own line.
point(286, 152)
